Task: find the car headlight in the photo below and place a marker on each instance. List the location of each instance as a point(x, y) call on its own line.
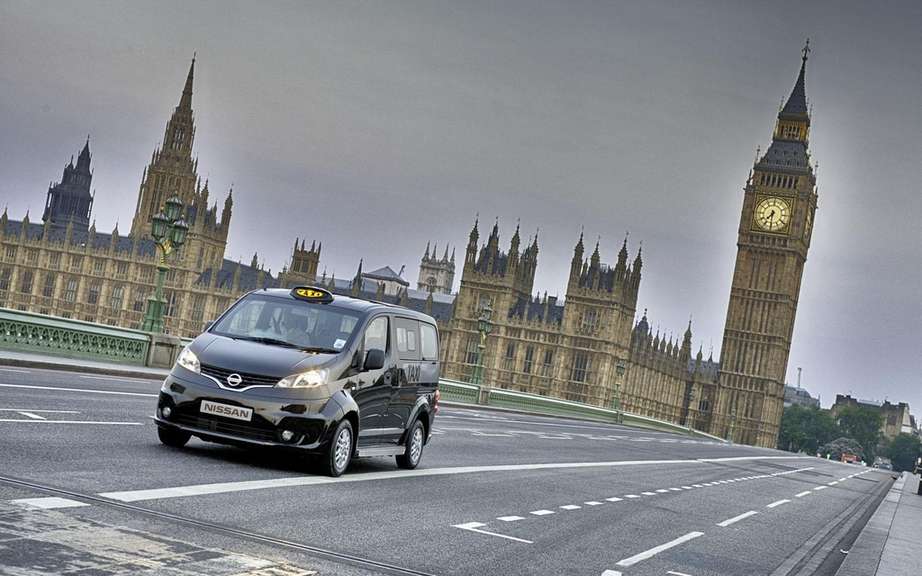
point(188, 360)
point(309, 379)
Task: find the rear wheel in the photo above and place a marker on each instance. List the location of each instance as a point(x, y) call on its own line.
point(339, 454)
point(416, 439)
point(173, 438)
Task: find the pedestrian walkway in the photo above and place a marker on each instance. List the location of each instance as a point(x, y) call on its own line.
point(33, 360)
point(890, 543)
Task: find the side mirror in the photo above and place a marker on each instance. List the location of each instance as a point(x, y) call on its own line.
point(374, 359)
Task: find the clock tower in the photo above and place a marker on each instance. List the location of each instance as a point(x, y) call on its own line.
point(779, 202)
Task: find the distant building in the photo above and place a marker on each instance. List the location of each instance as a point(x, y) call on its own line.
point(436, 274)
point(896, 418)
point(800, 397)
point(391, 282)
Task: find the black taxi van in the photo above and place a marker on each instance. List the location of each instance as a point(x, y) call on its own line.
point(328, 375)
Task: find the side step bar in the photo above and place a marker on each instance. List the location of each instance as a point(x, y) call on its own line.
point(379, 450)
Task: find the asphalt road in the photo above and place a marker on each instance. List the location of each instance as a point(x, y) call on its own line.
point(496, 493)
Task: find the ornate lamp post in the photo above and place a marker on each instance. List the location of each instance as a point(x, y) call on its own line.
point(169, 232)
point(484, 326)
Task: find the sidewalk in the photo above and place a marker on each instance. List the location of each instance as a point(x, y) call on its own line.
point(891, 543)
point(32, 360)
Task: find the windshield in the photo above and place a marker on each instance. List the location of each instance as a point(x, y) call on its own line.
point(287, 322)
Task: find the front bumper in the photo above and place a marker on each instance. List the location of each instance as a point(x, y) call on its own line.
point(272, 413)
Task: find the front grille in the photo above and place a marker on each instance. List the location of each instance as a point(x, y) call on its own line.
point(188, 415)
point(212, 424)
point(248, 379)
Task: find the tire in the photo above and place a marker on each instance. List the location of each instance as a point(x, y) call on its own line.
point(173, 438)
point(339, 453)
point(416, 441)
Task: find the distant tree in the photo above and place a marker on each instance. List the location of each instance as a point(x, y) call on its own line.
point(862, 424)
point(805, 429)
point(840, 446)
point(903, 452)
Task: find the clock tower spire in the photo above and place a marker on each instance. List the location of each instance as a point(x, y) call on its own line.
point(779, 201)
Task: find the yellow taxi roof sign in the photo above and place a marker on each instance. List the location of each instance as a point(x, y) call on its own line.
point(312, 294)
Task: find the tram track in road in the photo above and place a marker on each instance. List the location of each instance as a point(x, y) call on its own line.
point(326, 554)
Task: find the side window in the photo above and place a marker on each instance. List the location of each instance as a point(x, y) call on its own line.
point(429, 342)
point(407, 338)
point(376, 334)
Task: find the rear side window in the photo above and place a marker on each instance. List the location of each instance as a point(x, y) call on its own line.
point(429, 342)
point(407, 332)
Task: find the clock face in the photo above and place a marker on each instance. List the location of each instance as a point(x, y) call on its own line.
point(773, 214)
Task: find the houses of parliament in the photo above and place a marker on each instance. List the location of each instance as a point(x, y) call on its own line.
point(593, 346)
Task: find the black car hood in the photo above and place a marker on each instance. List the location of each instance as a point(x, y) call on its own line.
point(254, 357)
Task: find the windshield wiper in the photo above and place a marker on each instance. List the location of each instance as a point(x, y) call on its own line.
point(319, 349)
point(265, 340)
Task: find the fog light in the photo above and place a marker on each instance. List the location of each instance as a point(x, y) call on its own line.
point(287, 435)
point(166, 411)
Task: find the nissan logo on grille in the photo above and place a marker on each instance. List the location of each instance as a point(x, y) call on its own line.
point(234, 380)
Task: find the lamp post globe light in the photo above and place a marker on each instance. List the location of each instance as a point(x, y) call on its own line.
point(169, 231)
point(484, 327)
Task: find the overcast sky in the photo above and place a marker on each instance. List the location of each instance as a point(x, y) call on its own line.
point(377, 126)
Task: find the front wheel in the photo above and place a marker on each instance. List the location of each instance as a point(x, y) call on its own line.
point(339, 454)
point(416, 439)
point(173, 438)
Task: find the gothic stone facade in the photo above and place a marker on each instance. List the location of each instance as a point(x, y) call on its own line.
point(63, 266)
point(436, 274)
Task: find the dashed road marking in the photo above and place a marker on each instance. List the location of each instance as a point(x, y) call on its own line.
point(593, 503)
point(614, 499)
point(777, 503)
point(98, 423)
point(510, 518)
point(631, 496)
point(630, 561)
point(570, 507)
point(542, 512)
point(90, 390)
point(662, 490)
point(736, 519)
point(475, 527)
point(818, 488)
point(674, 573)
point(649, 493)
point(802, 494)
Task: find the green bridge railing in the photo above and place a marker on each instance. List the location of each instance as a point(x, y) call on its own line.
point(465, 393)
point(68, 338)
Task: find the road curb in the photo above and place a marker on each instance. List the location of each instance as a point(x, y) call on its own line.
point(128, 372)
point(865, 554)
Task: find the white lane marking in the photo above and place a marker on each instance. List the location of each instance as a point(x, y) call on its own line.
point(842, 479)
point(662, 490)
point(475, 527)
point(131, 379)
point(735, 458)
point(14, 370)
point(245, 485)
point(492, 435)
point(697, 485)
point(611, 573)
point(510, 518)
point(62, 389)
point(49, 503)
point(833, 483)
point(73, 422)
point(802, 494)
point(41, 411)
point(777, 503)
point(542, 512)
point(674, 573)
point(656, 550)
point(593, 503)
point(614, 499)
point(736, 519)
point(570, 507)
point(31, 415)
point(818, 488)
point(675, 489)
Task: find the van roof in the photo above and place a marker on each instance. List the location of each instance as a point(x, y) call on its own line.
point(356, 304)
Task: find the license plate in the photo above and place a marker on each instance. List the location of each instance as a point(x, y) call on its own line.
point(226, 410)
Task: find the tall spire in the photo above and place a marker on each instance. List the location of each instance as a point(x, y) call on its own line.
point(186, 100)
point(797, 102)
